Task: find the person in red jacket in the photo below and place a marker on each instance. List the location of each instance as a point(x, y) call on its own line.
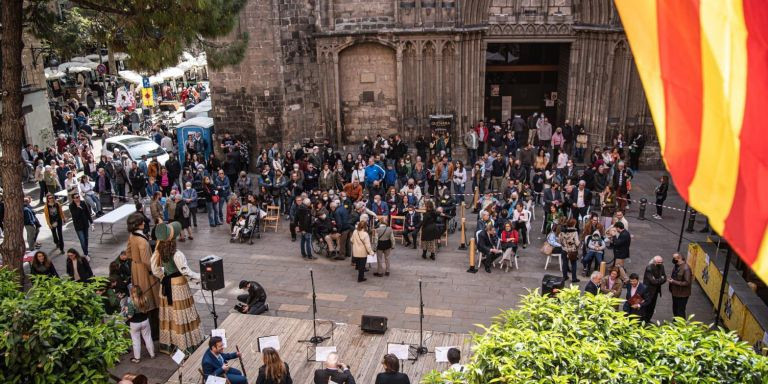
point(509, 240)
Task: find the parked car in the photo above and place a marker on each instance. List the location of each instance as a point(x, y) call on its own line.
point(136, 146)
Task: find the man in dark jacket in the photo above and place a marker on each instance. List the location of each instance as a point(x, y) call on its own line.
point(637, 297)
point(304, 224)
point(519, 127)
point(174, 168)
point(593, 286)
point(138, 180)
point(680, 285)
point(486, 244)
point(411, 225)
point(334, 372)
point(653, 278)
point(255, 300)
point(621, 244)
point(341, 217)
point(81, 220)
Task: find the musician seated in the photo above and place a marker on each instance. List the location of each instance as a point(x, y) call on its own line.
point(215, 362)
point(255, 301)
point(334, 371)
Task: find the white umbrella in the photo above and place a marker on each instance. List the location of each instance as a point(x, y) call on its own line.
point(80, 60)
point(63, 66)
point(50, 74)
point(186, 65)
point(78, 69)
point(89, 64)
point(171, 73)
point(130, 76)
point(92, 57)
point(121, 56)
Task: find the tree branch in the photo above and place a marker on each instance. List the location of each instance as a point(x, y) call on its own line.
point(101, 8)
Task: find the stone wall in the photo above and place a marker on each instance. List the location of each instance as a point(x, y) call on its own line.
point(247, 97)
point(299, 71)
point(368, 84)
point(363, 11)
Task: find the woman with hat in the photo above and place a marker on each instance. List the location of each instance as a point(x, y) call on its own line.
point(179, 321)
point(139, 252)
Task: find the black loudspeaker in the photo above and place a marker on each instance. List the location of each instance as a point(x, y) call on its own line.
point(212, 273)
point(373, 324)
point(551, 282)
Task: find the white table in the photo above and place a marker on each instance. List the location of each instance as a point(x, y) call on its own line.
point(64, 195)
point(113, 217)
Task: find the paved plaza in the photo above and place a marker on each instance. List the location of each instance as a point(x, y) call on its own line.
point(455, 301)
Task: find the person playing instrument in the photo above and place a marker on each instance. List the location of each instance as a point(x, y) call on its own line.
point(215, 362)
point(334, 371)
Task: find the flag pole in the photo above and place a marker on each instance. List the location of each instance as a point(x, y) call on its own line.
point(682, 228)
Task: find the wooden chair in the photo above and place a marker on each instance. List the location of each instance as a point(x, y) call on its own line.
point(398, 224)
point(272, 220)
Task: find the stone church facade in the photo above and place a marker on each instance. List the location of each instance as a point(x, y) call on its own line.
point(344, 69)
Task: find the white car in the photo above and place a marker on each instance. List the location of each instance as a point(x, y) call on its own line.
point(137, 146)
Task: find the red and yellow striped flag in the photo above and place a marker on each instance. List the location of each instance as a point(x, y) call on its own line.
point(704, 67)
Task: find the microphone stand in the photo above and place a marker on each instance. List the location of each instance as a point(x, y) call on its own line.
point(421, 349)
point(315, 339)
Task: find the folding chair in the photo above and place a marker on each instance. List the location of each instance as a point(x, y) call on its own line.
point(272, 220)
point(559, 260)
point(398, 224)
point(506, 261)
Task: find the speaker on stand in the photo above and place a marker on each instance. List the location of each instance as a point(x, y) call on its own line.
point(212, 279)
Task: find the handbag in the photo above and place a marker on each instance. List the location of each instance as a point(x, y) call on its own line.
point(547, 249)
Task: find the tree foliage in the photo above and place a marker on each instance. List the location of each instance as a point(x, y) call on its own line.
point(152, 32)
point(575, 338)
point(57, 332)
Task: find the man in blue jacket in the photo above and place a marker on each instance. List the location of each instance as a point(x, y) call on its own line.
point(373, 172)
point(215, 362)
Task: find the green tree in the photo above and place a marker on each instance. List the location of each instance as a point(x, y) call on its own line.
point(57, 332)
point(575, 338)
point(152, 32)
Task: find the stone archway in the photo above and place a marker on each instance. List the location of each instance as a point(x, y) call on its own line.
point(368, 90)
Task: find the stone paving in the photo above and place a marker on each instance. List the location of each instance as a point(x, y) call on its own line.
point(454, 300)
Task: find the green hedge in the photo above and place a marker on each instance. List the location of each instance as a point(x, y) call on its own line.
point(57, 332)
point(575, 338)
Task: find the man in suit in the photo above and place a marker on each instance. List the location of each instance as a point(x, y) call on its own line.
point(411, 226)
point(653, 278)
point(581, 198)
point(621, 243)
point(552, 195)
point(215, 362)
point(334, 371)
point(593, 286)
point(487, 245)
point(637, 297)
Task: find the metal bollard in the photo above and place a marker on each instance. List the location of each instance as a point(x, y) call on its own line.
point(643, 205)
point(472, 268)
point(691, 220)
point(463, 244)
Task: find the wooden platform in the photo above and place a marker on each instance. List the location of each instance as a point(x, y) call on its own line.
point(362, 352)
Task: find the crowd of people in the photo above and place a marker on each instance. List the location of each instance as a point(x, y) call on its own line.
point(346, 205)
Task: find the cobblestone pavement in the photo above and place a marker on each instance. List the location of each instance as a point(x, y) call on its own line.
point(454, 300)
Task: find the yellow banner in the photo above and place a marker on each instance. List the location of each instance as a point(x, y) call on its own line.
point(147, 97)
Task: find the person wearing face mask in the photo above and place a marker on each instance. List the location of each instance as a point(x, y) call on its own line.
point(412, 190)
point(411, 225)
point(326, 229)
point(653, 278)
point(680, 284)
point(379, 207)
point(358, 174)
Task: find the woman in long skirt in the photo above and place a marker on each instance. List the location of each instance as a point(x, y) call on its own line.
point(179, 320)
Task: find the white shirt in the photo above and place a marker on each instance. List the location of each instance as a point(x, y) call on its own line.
point(580, 198)
point(167, 143)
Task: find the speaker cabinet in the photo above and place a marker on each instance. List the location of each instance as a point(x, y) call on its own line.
point(373, 324)
point(212, 273)
point(551, 282)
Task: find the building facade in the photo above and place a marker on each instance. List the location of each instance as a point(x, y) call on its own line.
point(344, 69)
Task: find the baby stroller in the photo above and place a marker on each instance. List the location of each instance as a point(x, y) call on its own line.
point(245, 228)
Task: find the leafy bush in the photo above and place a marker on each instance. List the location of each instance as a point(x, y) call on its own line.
point(57, 332)
point(575, 338)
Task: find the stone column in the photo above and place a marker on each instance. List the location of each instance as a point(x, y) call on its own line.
point(458, 76)
point(439, 69)
point(400, 112)
point(419, 83)
point(331, 18)
point(418, 13)
point(396, 5)
point(481, 73)
point(337, 99)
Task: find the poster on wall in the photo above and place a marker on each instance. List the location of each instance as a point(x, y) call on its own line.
point(506, 108)
point(495, 90)
point(441, 123)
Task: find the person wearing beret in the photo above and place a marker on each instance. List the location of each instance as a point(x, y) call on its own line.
point(179, 320)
